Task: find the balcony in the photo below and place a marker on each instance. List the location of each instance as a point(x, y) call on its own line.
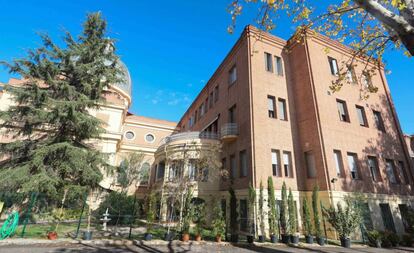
point(229, 132)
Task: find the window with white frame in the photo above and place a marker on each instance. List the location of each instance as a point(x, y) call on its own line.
point(279, 66)
point(282, 109)
point(287, 164)
point(268, 62)
point(373, 168)
point(333, 65)
point(353, 165)
point(276, 163)
point(389, 167)
point(271, 106)
point(339, 165)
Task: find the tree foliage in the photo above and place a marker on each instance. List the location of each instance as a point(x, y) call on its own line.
point(369, 26)
point(273, 223)
point(315, 209)
point(218, 223)
point(261, 210)
point(251, 203)
point(50, 121)
point(130, 171)
point(307, 224)
point(292, 214)
point(284, 210)
point(344, 219)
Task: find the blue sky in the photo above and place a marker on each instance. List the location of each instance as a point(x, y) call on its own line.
point(170, 47)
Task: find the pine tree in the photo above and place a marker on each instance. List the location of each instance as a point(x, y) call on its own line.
point(252, 203)
point(52, 128)
point(273, 226)
point(316, 217)
point(292, 213)
point(283, 209)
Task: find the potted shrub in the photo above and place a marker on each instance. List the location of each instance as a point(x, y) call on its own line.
point(407, 239)
point(374, 238)
point(283, 214)
point(273, 221)
point(316, 216)
point(151, 202)
point(234, 221)
point(51, 233)
point(187, 216)
point(344, 220)
point(294, 236)
point(199, 221)
point(218, 223)
point(251, 200)
point(261, 216)
point(307, 224)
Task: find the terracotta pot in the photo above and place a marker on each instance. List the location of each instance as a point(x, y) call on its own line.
point(218, 238)
point(198, 238)
point(52, 235)
point(185, 237)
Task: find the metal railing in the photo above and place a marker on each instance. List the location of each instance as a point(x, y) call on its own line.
point(189, 136)
point(229, 129)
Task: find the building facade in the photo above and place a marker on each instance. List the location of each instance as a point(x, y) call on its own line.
point(269, 111)
point(271, 103)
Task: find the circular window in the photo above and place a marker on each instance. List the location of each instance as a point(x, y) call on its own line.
point(129, 135)
point(149, 138)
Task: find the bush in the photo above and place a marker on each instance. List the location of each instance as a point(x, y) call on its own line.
point(120, 207)
point(390, 239)
point(373, 237)
point(407, 240)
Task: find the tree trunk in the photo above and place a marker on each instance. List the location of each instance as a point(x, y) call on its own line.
point(408, 41)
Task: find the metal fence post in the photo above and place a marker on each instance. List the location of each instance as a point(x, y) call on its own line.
point(28, 212)
point(80, 217)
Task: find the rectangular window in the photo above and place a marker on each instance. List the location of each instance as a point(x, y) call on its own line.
point(387, 217)
point(373, 168)
point(282, 109)
point(366, 80)
point(366, 216)
point(232, 75)
point(192, 171)
point(211, 99)
point(333, 65)
point(206, 105)
point(310, 164)
point(389, 166)
point(268, 62)
point(339, 165)
point(287, 164)
point(216, 94)
point(233, 166)
point(353, 165)
point(279, 66)
point(350, 74)
point(195, 116)
point(276, 163)
point(378, 121)
point(201, 110)
point(160, 170)
point(232, 114)
point(404, 211)
point(361, 116)
point(342, 110)
point(224, 167)
point(243, 163)
point(271, 106)
point(403, 173)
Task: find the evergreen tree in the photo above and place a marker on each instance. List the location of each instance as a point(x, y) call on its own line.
point(307, 224)
point(316, 216)
point(292, 213)
point(252, 203)
point(261, 210)
point(273, 224)
point(283, 209)
point(50, 121)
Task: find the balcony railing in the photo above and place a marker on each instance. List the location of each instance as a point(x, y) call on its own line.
point(189, 136)
point(229, 131)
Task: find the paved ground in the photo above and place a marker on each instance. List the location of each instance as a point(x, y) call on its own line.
point(79, 248)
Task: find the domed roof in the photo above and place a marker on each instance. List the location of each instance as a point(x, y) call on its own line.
point(126, 84)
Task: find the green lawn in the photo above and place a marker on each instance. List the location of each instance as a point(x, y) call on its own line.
point(39, 231)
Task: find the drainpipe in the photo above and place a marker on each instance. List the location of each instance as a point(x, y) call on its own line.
point(253, 180)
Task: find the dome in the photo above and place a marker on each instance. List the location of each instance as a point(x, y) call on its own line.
point(126, 84)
